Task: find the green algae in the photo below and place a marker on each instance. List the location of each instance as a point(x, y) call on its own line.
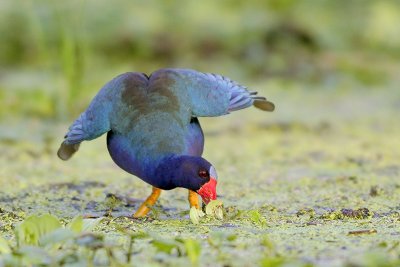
point(294, 185)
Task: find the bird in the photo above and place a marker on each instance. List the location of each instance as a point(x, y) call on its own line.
point(153, 130)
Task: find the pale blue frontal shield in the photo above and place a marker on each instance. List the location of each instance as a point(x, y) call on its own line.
point(213, 173)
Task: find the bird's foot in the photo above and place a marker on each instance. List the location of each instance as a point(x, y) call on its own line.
point(148, 203)
point(193, 199)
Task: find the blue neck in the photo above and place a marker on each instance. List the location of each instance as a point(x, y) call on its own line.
point(166, 172)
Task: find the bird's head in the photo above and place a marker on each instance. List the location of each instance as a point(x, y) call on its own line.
point(194, 173)
point(208, 188)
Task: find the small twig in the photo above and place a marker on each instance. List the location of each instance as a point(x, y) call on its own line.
point(129, 252)
point(91, 258)
point(110, 255)
point(362, 232)
point(90, 216)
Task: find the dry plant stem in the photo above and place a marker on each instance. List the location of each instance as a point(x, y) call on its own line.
point(361, 232)
point(148, 203)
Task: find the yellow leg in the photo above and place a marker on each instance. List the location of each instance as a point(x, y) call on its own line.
point(193, 199)
point(148, 203)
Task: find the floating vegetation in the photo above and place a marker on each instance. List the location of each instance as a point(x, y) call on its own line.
point(214, 209)
point(195, 214)
point(361, 213)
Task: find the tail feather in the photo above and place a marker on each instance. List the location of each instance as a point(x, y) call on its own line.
point(264, 104)
point(66, 151)
point(76, 134)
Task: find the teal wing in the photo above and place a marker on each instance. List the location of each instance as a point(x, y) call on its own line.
point(97, 118)
point(214, 95)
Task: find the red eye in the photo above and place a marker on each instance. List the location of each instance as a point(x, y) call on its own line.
point(203, 174)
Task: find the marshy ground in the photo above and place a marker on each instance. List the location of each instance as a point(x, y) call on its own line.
point(316, 182)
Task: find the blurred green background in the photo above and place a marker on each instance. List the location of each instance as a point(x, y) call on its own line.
point(55, 55)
